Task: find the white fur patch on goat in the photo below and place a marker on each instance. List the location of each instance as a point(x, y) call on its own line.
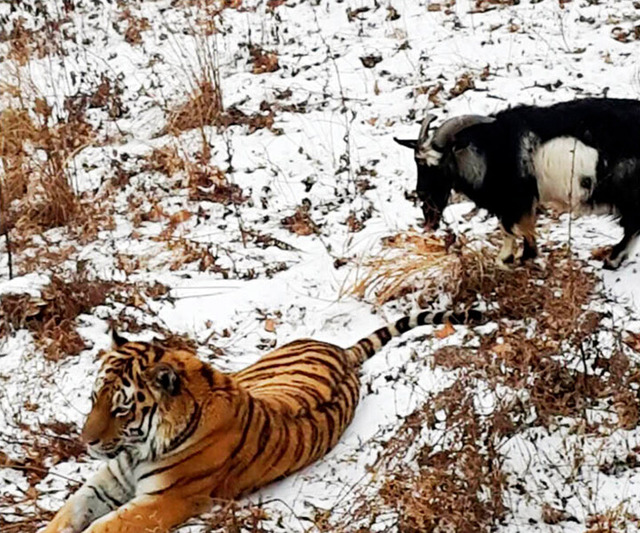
point(429, 155)
point(565, 169)
point(471, 165)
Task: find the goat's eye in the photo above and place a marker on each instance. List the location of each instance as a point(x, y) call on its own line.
point(120, 411)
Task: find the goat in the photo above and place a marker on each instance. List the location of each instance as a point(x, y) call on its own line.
point(582, 155)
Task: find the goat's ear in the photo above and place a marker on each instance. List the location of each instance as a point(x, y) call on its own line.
point(409, 143)
point(117, 340)
point(164, 377)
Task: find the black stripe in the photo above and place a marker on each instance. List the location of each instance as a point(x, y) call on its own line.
point(367, 346)
point(158, 352)
point(207, 373)
point(329, 383)
point(189, 430)
point(182, 460)
point(123, 487)
point(105, 498)
point(314, 439)
point(245, 429)
point(353, 390)
point(265, 432)
point(263, 440)
point(383, 334)
point(304, 403)
point(300, 443)
point(283, 446)
point(336, 364)
point(320, 447)
point(314, 393)
point(402, 325)
point(331, 424)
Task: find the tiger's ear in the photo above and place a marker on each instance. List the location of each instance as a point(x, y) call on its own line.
point(164, 378)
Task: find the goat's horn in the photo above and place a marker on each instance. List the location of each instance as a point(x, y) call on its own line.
point(449, 128)
point(424, 129)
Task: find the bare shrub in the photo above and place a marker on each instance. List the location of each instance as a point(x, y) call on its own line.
point(51, 317)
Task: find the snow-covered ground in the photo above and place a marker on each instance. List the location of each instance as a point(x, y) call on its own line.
point(352, 75)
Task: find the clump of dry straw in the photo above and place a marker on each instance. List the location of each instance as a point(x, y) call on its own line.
point(407, 261)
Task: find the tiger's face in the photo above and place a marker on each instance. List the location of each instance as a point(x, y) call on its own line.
point(139, 400)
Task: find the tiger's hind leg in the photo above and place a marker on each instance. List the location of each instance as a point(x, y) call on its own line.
point(151, 514)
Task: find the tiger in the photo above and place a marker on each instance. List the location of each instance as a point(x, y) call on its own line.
point(177, 435)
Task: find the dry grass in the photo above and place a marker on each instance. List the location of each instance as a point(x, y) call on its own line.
point(51, 318)
point(263, 60)
point(44, 446)
point(408, 260)
point(455, 489)
point(301, 222)
point(34, 154)
point(555, 363)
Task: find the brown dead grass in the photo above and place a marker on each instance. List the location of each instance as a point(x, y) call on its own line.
point(301, 222)
point(263, 60)
point(457, 484)
point(51, 317)
point(407, 261)
point(203, 107)
point(43, 446)
point(455, 489)
point(34, 154)
point(26, 43)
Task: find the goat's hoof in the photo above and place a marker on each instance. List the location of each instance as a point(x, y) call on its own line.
point(506, 264)
point(612, 264)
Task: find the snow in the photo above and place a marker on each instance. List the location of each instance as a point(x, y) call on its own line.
point(540, 52)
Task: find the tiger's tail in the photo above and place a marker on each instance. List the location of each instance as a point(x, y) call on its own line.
point(367, 346)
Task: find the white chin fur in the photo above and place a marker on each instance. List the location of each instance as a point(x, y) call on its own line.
point(560, 165)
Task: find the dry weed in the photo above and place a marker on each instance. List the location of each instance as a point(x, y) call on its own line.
point(51, 317)
point(263, 60)
point(204, 108)
point(34, 154)
point(408, 260)
point(301, 222)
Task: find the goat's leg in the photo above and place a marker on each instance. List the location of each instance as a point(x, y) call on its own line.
point(620, 251)
point(506, 256)
point(527, 228)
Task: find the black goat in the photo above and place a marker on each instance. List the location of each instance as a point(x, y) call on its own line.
point(581, 155)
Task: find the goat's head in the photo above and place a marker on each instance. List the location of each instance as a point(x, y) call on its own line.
point(434, 183)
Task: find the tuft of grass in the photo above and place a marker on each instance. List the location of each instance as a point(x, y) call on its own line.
point(51, 317)
point(408, 260)
point(34, 154)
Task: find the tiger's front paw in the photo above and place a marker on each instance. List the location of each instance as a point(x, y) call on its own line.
point(61, 523)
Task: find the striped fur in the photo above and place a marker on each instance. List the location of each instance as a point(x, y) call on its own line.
point(178, 433)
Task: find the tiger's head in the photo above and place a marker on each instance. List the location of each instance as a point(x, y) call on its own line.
point(146, 399)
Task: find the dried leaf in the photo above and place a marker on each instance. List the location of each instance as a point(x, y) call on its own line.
point(446, 330)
